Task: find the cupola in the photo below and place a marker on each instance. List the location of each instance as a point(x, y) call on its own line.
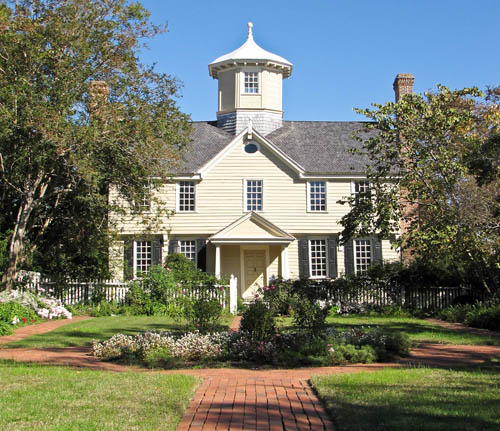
point(250, 87)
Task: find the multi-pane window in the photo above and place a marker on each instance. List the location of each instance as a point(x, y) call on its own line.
point(188, 249)
point(145, 202)
point(251, 82)
point(362, 254)
point(317, 196)
point(318, 258)
point(362, 190)
point(143, 256)
point(186, 196)
point(253, 195)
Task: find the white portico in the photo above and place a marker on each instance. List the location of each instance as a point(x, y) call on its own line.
point(257, 240)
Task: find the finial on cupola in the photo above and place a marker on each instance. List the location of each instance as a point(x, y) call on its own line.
point(250, 35)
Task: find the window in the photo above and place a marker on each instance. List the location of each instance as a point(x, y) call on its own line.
point(145, 203)
point(188, 249)
point(318, 262)
point(362, 190)
point(142, 256)
point(317, 195)
point(251, 147)
point(251, 82)
point(186, 196)
point(253, 195)
point(362, 254)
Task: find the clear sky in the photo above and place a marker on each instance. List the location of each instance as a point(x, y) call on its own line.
point(345, 53)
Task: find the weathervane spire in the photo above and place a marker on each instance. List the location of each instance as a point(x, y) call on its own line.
point(250, 35)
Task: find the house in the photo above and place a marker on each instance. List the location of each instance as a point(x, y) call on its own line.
point(257, 195)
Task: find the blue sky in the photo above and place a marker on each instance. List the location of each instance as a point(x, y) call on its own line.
point(345, 53)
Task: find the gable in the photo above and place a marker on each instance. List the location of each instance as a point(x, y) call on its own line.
point(251, 228)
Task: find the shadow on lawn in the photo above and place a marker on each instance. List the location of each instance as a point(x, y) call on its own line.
point(467, 404)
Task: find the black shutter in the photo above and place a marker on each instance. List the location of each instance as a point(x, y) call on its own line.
point(349, 257)
point(377, 250)
point(173, 246)
point(304, 257)
point(332, 257)
point(128, 259)
point(156, 246)
point(201, 248)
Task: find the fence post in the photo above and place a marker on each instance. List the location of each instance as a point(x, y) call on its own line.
point(233, 294)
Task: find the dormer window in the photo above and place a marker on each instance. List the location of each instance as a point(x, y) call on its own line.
point(251, 82)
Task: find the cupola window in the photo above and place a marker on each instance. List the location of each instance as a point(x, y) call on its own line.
point(251, 82)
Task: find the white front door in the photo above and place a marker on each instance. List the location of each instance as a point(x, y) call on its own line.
point(255, 271)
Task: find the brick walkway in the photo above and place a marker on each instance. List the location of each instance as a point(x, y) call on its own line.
point(250, 400)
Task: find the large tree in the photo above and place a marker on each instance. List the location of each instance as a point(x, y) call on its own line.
point(434, 177)
point(78, 112)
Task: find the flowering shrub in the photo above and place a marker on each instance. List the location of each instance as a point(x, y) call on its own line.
point(14, 313)
point(192, 346)
point(258, 322)
point(43, 306)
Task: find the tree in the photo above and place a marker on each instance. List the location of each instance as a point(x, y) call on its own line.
point(434, 173)
point(78, 112)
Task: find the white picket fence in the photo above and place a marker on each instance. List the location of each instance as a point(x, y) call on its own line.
point(76, 292)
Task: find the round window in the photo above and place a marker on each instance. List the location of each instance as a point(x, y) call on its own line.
point(251, 148)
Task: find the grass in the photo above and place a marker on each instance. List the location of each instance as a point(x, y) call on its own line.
point(419, 330)
point(46, 398)
point(100, 328)
point(413, 399)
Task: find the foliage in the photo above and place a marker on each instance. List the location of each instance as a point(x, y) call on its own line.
point(203, 313)
point(484, 315)
point(258, 322)
point(434, 171)
point(79, 114)
point(13, 310)
point(5, 328)
point(343, 354)
point(309, 316)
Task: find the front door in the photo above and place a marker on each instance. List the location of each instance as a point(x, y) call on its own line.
point(255, 269)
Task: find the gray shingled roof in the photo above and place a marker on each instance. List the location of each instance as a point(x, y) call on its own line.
point(320, 147)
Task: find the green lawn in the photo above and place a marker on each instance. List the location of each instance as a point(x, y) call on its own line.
point(101, 328)
point(419, 330)
point(413, 399)
point(43, 398)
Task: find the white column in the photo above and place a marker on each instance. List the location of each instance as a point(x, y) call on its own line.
point(217, 261)
point(285, 273)
point(233, 294)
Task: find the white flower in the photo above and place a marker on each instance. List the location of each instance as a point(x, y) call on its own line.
point(15, 320)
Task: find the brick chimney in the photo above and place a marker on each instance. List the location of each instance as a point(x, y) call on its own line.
point(403, 84)
point(99, 93)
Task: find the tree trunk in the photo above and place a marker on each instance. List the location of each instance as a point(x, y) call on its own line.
point(17, 242)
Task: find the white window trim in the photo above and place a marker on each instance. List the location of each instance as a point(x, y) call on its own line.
point(245, 195)
point(178, 196)
point(195, 248)
point(353, 185)
point(259, 80)
point(309, 197)
point(354, 252)
point(310, 257)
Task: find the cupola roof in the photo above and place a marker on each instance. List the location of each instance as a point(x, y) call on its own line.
point(250, 54)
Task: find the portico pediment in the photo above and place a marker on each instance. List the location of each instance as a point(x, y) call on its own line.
point(250, 229)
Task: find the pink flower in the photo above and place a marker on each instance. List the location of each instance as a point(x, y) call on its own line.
point(32, 320)
point(197, 324)
point(182, 291)
point(266, 288)
point(272, 287)
point(221, 288)
point(168, 269)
